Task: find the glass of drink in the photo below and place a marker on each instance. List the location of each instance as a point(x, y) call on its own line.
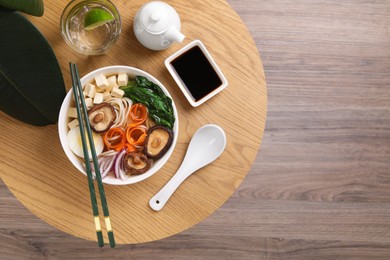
point(90, 27)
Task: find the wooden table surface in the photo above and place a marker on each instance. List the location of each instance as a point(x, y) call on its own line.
point(59, 195)
point(320, 187)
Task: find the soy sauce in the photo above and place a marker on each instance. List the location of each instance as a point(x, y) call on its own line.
point(196, 72)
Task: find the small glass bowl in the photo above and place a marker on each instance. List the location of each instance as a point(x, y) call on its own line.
point(94, 41)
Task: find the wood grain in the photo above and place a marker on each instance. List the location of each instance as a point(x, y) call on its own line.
point(319, 188)
point(60, 197)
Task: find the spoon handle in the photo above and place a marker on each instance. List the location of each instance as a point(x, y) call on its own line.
point(161, 198)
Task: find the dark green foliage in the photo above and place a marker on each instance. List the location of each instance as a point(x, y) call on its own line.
point(31, 84)
point(151, 95)
point(33, 7)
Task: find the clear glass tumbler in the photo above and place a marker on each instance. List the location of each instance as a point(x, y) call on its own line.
point(89, 41)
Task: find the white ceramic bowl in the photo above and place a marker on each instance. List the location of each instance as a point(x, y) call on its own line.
point(196, 65)
point(63, 128)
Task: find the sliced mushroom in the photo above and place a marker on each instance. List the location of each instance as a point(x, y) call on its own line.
point(149, 122)
point(136, 163)
point(101, 117)
point(159, 139)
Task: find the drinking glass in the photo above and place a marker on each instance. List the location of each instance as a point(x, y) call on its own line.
point(93, 41)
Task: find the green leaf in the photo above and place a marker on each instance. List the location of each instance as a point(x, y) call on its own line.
point(145, 83)
point(160, 108)
point(33, 7)
point(31, 84)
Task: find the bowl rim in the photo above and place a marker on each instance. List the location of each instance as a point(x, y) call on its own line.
point(63, 128)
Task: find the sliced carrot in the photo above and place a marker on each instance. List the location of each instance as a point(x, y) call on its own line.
point(115, 138)
point(136, 135)
point(130, 148)
point(138, 114)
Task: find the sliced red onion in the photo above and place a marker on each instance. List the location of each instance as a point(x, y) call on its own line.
point(102, 164)
point(108, 167)
point(122, 174)
point(105, 164)
point(118, 161)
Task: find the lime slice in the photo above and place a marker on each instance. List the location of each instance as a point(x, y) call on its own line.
point(96, 17)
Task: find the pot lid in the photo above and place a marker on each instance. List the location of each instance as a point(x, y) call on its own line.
point(156, 17)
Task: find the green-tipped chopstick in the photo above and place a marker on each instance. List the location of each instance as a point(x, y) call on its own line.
point(83, 118)
point(92, 194)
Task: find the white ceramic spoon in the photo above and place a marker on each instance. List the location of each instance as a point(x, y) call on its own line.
point(206, 145)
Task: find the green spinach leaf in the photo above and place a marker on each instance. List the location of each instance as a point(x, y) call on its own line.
point(151, 95)
point(145, 83)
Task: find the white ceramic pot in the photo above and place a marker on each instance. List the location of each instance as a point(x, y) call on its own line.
point(157, 25)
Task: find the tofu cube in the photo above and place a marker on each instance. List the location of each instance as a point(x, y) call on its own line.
point(90, 90)
point(123, 79)
point(100, 90)
point(106, 95)
point(98, 98)
point(112, 82)
point(117, 92)
point(89, 102)
point(73, 123)
point(101, 81)
point(72, 112)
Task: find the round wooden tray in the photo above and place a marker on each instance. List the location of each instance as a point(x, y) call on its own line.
point(36, 170)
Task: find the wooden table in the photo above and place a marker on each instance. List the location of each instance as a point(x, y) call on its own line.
point(41, 177)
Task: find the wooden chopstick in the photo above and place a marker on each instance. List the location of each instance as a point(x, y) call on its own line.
point(83, 119)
